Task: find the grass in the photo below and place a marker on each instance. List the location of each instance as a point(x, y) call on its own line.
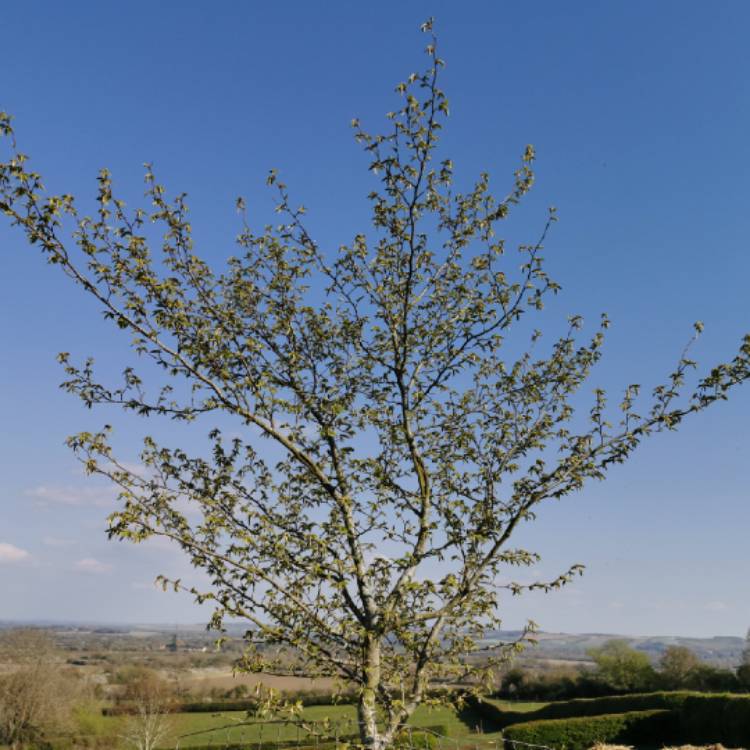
point(226, 726)
point(466, 729)
point(520, 706)
point(233, 726)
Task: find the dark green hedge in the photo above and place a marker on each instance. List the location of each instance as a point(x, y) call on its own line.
point(611, 704)
point(723, 718)
point(582, 732)
point(247, 704)
point(703, 718)
point(240, 704)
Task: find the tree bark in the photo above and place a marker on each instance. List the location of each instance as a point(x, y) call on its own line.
point(371, 736)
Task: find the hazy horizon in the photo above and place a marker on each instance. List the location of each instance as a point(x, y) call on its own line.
point(167, 626)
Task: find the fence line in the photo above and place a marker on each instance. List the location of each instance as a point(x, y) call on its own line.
point(336, 734)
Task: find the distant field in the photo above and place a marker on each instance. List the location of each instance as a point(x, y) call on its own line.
point(204, 679)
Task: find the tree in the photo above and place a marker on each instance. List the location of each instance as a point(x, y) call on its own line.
point(677, 665)
point(150, 700)
point(708, 677)
point(35, 696)
point(137, 681)
point(743, 671)
point(412, 439)
point(621, 667)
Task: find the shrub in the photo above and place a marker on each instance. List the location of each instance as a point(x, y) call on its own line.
point(418, 739)
point(582, 732)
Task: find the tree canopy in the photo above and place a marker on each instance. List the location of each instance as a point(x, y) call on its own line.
point(621, 667)
point(677, 664)
point(414, 439)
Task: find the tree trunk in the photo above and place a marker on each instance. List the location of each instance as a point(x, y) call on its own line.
point(371, 736)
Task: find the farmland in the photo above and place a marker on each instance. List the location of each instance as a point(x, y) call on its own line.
point(648, 720)
point(203, 703)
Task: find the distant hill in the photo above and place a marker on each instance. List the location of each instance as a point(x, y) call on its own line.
point(720, 650)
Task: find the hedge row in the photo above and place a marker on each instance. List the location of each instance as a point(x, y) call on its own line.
point(694, 718)
point(611, 704)
point(247, 704)
point(632, 727)
point(127, 709)
point(241, 704)
point(723, 718)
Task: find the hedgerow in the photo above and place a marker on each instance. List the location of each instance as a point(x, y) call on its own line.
point(580, 733)
point(611, 704)
point(696, 718)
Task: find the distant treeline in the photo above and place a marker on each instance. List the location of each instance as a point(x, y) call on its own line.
point(621, 670)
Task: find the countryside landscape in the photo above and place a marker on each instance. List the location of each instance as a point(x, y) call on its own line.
point(167, 686)
point(374, 376)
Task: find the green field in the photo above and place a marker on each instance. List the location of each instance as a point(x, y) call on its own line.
point(232, 726)
point(465, 729)
point(195, 729)
point(521, 707)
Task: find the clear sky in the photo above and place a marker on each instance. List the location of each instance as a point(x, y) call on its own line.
point(640, 114)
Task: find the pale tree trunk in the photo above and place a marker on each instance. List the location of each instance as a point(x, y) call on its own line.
point(371, 736)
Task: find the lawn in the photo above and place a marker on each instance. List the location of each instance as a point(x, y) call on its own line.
point(196, 729)
point(221, 728)
point(232, 726)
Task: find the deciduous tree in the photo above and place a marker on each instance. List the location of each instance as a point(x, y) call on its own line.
point(150, 700)
point(35, 696)
point(621, 667)
point(417, 433)
point(677, 664)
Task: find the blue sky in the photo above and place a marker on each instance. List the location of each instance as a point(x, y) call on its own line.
point(639, 112)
